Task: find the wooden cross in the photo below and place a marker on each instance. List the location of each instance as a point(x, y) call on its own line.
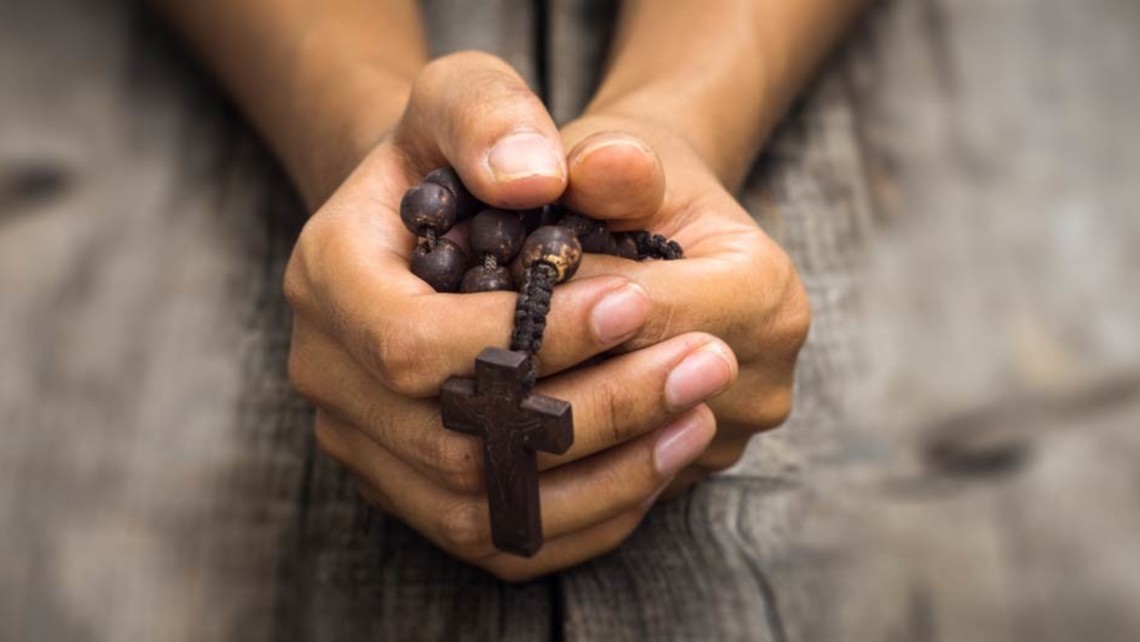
point(513, 427)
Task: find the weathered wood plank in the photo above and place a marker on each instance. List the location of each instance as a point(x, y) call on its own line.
point(505, 28)
point(578, 37)
point(995, 140)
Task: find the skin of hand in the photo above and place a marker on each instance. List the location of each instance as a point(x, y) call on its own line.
point(679, 116)
point(688, 96)
point(734, 282)
point(372, 343)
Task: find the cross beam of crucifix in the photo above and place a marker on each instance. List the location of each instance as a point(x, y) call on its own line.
point(513, 426)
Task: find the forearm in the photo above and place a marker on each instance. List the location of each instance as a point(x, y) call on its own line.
point(719, 75)
point(321, 80)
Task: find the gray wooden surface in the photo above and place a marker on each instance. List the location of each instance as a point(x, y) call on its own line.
point(958, 189)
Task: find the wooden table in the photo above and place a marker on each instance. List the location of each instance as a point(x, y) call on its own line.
point(959, 190)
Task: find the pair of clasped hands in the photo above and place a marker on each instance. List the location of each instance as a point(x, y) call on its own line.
point(699, 352)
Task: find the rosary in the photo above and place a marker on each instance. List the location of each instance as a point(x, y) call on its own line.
point(530, 251)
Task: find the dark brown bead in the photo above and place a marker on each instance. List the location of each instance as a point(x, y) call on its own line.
point(480, 279)
point(428, 206)
point(594, 236)
point(555, 246)
point(545, 215)
point(518, 272)
point(598, 241)
point(441, 267)
point(497, 233)
point(466, 205)
point(626, 246)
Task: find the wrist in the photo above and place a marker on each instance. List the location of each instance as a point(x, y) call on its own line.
point(697, 74)
point(339, 119)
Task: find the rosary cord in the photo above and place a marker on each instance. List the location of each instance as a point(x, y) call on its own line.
point(533, 304)
point(581, 224)
point(530, 315)
point(655, 246)
point(649, 246)
point(431, 238)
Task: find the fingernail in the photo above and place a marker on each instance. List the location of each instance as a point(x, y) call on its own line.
point(620, 313)
point(649, 501)
point(614, 141)
point(680, 443)
point(699, 376)
point(523, 155)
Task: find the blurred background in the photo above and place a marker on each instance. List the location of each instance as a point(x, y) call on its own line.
point(959, 189)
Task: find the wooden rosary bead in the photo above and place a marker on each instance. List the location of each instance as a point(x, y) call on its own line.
point(480, 279)
point(518, 272)
point(555, 246)
point(466, 205)
point(442, 267)
point(545, 215)
point(591, 233)
point(625, 246)
point(598, 241)
point(497, 233)
point(428, 207)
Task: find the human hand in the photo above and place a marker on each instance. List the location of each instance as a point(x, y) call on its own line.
point(735, 282)
point(372, 343)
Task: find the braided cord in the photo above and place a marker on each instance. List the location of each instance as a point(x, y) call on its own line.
point(531, 309)
point(655, 246)
point(533, 304)
point(581, 224)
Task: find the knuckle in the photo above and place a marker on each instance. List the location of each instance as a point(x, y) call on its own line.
point(464, 531)
point(612, 410)
point(622, 528)
point(799, 317)
point(299, 377)
point(296, 282)
point(767, 411)
point(773, 409)
point(293, 285)
point(780, 410)
point(661, 324)
point(795, 306)
point(622, 490)
point(380, 420)
point(327, 439)
point(455, 465)
point(431, 75)
point(721, 459)
point(302, 281)
point(777, 409)
point(395, 359)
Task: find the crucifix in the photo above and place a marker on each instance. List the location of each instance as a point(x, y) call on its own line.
point(514, 423)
